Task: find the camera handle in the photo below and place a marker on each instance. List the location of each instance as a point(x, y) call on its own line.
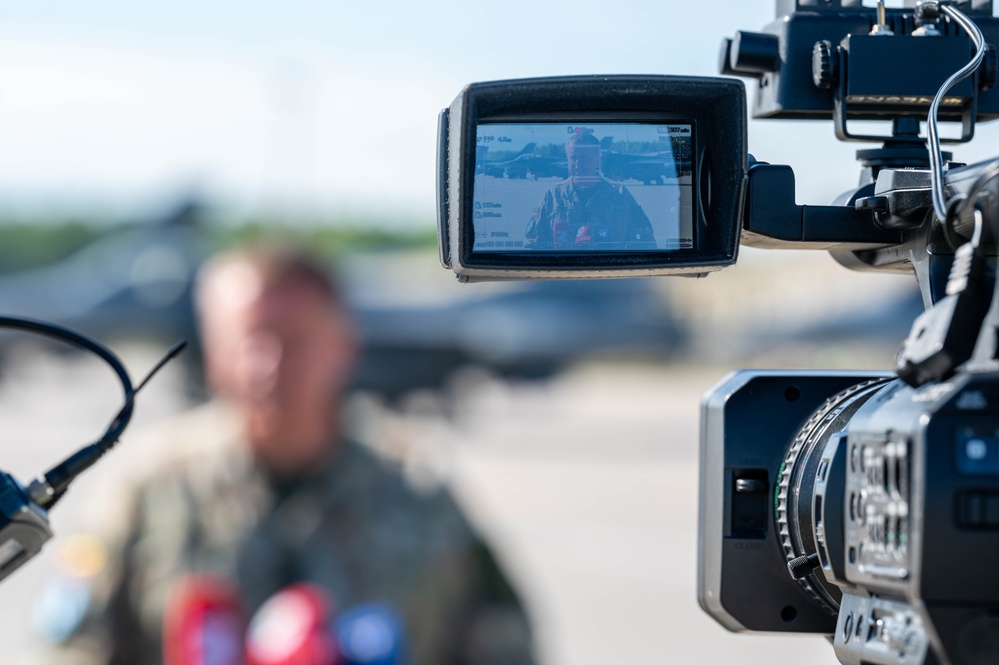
point(878, 227)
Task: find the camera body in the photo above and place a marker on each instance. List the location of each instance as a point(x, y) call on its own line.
point(885, 487)
point(852, 505)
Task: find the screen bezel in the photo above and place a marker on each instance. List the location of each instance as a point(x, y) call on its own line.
point(714, 107)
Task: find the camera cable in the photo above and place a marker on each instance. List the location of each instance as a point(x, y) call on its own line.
point(48, 489)
point(936, 158)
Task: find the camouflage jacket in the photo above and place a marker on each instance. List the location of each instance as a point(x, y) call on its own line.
point(602, 216)
point(355, 527)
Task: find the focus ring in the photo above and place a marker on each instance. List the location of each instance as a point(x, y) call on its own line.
point(816, 424)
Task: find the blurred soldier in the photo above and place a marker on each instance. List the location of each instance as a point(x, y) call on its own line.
point(260, 490)
point(587, 211)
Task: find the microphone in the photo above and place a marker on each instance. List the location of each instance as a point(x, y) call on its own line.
point(294, 628)
point(298, 626)
point(371, 634)
point(584, 235)
point(203, 623)
point(560, 234)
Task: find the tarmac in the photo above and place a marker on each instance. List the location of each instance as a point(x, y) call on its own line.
point(585, 484)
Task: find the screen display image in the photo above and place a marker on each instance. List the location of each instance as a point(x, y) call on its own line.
point(583, 187)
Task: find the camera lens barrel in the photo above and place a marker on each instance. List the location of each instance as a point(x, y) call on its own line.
point(810, 468)
point(748, 420)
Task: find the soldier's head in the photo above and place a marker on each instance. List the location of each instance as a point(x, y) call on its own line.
point(280, 347)
point(583, 152)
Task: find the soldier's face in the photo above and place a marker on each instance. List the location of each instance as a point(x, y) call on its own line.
point(282, 358)
point(584, 160)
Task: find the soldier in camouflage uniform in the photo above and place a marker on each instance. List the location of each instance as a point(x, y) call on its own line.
point(260, 489)
point(586, 211)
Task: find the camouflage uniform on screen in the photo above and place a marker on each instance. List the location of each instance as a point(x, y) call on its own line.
point(355, 527)
point(602, 215)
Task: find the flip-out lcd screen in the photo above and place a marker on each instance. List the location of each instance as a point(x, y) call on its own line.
point(593, 187)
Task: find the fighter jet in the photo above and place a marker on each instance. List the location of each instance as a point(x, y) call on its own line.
point(516, 167)
point(134, 282)
point(525, 164)
point(530, 330)
point(651, 168)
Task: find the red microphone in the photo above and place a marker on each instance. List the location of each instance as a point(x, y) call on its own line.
point(203, 623)
point(294, 627)
point(560, 234)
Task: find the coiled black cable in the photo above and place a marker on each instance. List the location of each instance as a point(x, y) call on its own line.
point(49, 489)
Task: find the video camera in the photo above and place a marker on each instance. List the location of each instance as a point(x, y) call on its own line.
point(851, 505)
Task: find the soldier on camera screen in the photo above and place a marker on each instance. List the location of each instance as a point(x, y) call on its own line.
point(587, 211)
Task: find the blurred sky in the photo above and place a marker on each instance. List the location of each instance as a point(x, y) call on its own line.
point(304, 106)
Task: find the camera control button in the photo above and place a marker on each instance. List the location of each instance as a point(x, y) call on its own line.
point(750, 485)
point(979, 510)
